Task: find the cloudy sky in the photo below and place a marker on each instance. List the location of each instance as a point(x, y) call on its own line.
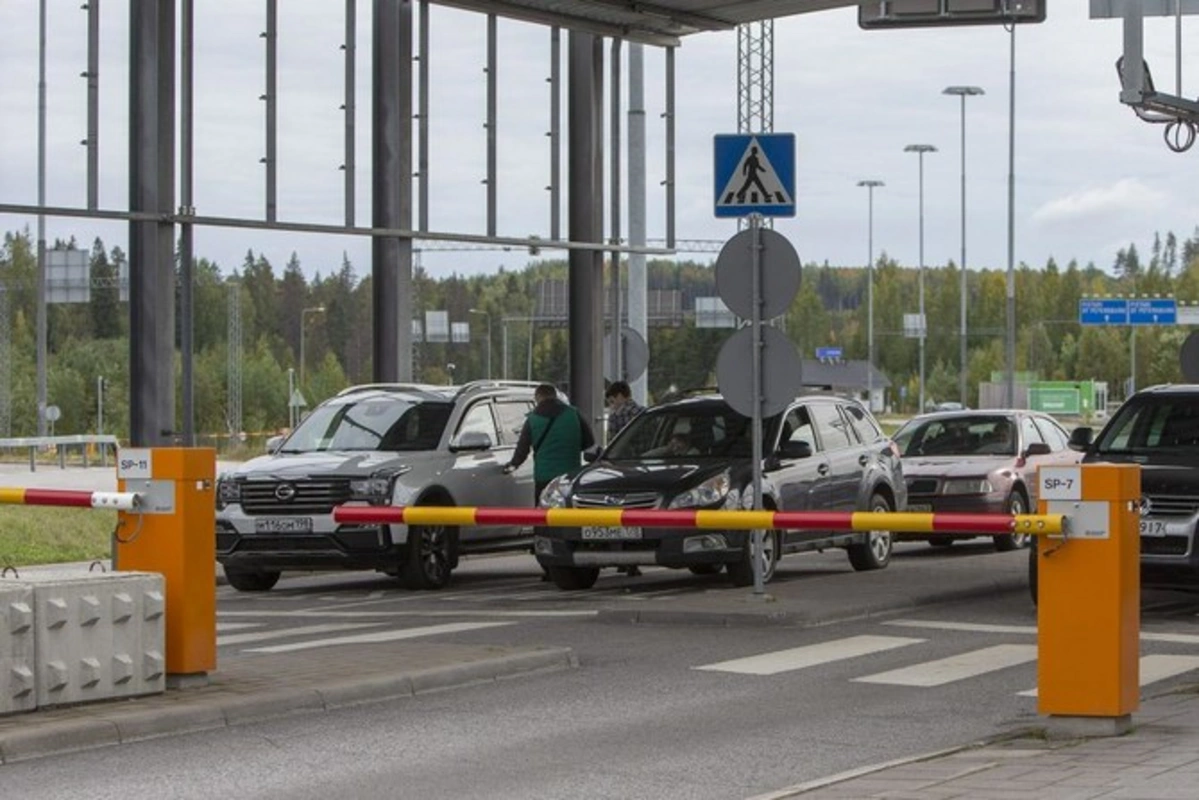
point(1090, 177)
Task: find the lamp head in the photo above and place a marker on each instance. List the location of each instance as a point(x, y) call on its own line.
point(963, 91)
point(871, 183)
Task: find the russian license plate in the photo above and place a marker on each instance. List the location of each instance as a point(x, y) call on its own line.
point(283, 525)
point(590, 532)
point(1153, 527)
point(920, 507)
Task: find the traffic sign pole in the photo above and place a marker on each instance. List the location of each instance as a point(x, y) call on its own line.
point(755, 227)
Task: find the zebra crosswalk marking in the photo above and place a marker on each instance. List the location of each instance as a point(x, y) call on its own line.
point(809, 655)
point(285, 633)
point(956, 668)
point(1153, 669)
point(380, 636)
point(970, 627)
point(237, 626)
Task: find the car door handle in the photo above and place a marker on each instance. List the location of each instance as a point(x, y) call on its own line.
point(822, 469)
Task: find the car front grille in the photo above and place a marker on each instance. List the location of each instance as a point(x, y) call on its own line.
point(1168, 505)
point(922, 486)
point(261, 498)
point(1164, 545)
point(633, 500)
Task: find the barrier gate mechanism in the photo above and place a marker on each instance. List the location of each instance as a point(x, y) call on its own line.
point(1088, 619)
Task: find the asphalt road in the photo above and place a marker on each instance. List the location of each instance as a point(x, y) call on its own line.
point(653, 711)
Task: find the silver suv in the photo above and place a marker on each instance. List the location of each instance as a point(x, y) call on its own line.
point(380, 444)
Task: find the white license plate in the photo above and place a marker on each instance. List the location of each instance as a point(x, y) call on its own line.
point(283, 525)
point(590, 532)
point(925, 507)
point(1153, 527)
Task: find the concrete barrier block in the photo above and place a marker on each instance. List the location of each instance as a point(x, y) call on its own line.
point(18, 690)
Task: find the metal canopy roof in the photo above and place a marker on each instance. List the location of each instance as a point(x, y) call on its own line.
point(660, 22)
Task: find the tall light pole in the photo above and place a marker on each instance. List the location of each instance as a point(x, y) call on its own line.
point(1010, 355)
point(920, 150)
point(488, 315)
point(963, 92)
point(870, 185)
point(313, 310)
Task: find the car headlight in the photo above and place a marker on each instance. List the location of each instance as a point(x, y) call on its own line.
point(967, 486)
point(710, 492)
point(227, 493)
point(554, 494)
point(376, 491)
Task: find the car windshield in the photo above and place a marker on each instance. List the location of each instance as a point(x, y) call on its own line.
point(376, 423)
point(958, 436)
point(1162, 423)
point(709, 431)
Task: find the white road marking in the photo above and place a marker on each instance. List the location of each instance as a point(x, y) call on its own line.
point(962, 626)
point(380, 636)
point(1153, 669)
point(284, 633)
point(809, 655)
point(237, 626)
point(1176, 638)
point(956, 668)
point(482, 612)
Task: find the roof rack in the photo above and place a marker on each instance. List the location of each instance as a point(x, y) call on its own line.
point(495, 383)
point(693, 391)
point(395, 387)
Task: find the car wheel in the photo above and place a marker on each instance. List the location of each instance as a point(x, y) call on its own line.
point(251, 580)
point(741, 573)
point(571, 579)
point(427, 557)
point(706, 569)
point(940, 541)
point(1017, 503)
point(875, 552)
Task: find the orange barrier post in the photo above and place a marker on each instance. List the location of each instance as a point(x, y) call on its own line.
point(175, 535)
point(1088, 608)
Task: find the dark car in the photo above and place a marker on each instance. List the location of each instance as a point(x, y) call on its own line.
point(1158, 428)
point(822, 453)
point(979, 462)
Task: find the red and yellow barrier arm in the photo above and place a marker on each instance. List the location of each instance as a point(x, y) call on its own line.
point(70, 498)
point(902, 522)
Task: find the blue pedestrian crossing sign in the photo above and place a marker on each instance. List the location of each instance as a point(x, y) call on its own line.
point(755, 174)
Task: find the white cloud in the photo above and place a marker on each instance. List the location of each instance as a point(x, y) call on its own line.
point(1127, 196)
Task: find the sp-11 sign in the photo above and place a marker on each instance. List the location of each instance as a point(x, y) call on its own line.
point(134, 463)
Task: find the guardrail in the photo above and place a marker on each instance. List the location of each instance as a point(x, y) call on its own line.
point(900, 521)
point(63, 443)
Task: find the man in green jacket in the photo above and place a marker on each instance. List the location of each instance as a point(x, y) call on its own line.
point(557, 435)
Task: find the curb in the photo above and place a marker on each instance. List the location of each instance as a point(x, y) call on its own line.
point(106, 725)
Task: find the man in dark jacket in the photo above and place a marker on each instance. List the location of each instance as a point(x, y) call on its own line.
point(557, 435)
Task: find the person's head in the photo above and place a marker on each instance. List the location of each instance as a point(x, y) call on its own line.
point(618, 392)
point(544, 391)
point(677, 444)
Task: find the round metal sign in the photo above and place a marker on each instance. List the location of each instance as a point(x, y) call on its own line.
point(781, 379)
point(53, 413)
point(634, 355)
point(780, 273)
point(1189, 356)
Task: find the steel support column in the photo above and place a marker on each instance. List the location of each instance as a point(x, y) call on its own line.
point(151, 243)
point(391, 189)
point(586, 188)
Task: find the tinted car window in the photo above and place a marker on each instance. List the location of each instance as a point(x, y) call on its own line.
point(512, 419)
point(1057, 438)
point(797, 427)
point(833, 430)
point(957, 436)
point(479, 420)
point(378, 423)
point(865, 427)
point(713, 430)
point(1160, 424)
point(1030, 432)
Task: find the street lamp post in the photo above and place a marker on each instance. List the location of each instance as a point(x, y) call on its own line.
point(870, 185)
point(920, 150)
point(488, 315)
point(313, 310)
point(963, 92)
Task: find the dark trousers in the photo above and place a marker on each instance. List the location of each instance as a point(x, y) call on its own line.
point(538, 488)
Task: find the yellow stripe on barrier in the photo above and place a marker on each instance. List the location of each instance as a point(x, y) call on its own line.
point(735, 520)
point(439, 515)
point(12, 496)
point(1047, 524)
point(897, 521)
point(576, 517)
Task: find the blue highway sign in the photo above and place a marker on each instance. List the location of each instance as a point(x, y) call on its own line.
point(755, 174)
point(1103, 312)
point(1153, 312)
point(828, 353)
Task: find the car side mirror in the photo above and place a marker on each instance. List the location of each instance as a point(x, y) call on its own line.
point(273, 444)
point(1081, 438)
point(792, 449)
point(591, 455)
point(1037, 449)
point(472, 440)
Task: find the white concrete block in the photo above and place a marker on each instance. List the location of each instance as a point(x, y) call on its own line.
point(18, 691)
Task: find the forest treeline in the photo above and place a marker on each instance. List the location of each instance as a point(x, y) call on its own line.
point(89, 340)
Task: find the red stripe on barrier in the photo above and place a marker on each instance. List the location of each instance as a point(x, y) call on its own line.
point(510, 516)
point(975, 523)
point(369, 515)
point(667, 519)
point(58, 497)
point(813, 520)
